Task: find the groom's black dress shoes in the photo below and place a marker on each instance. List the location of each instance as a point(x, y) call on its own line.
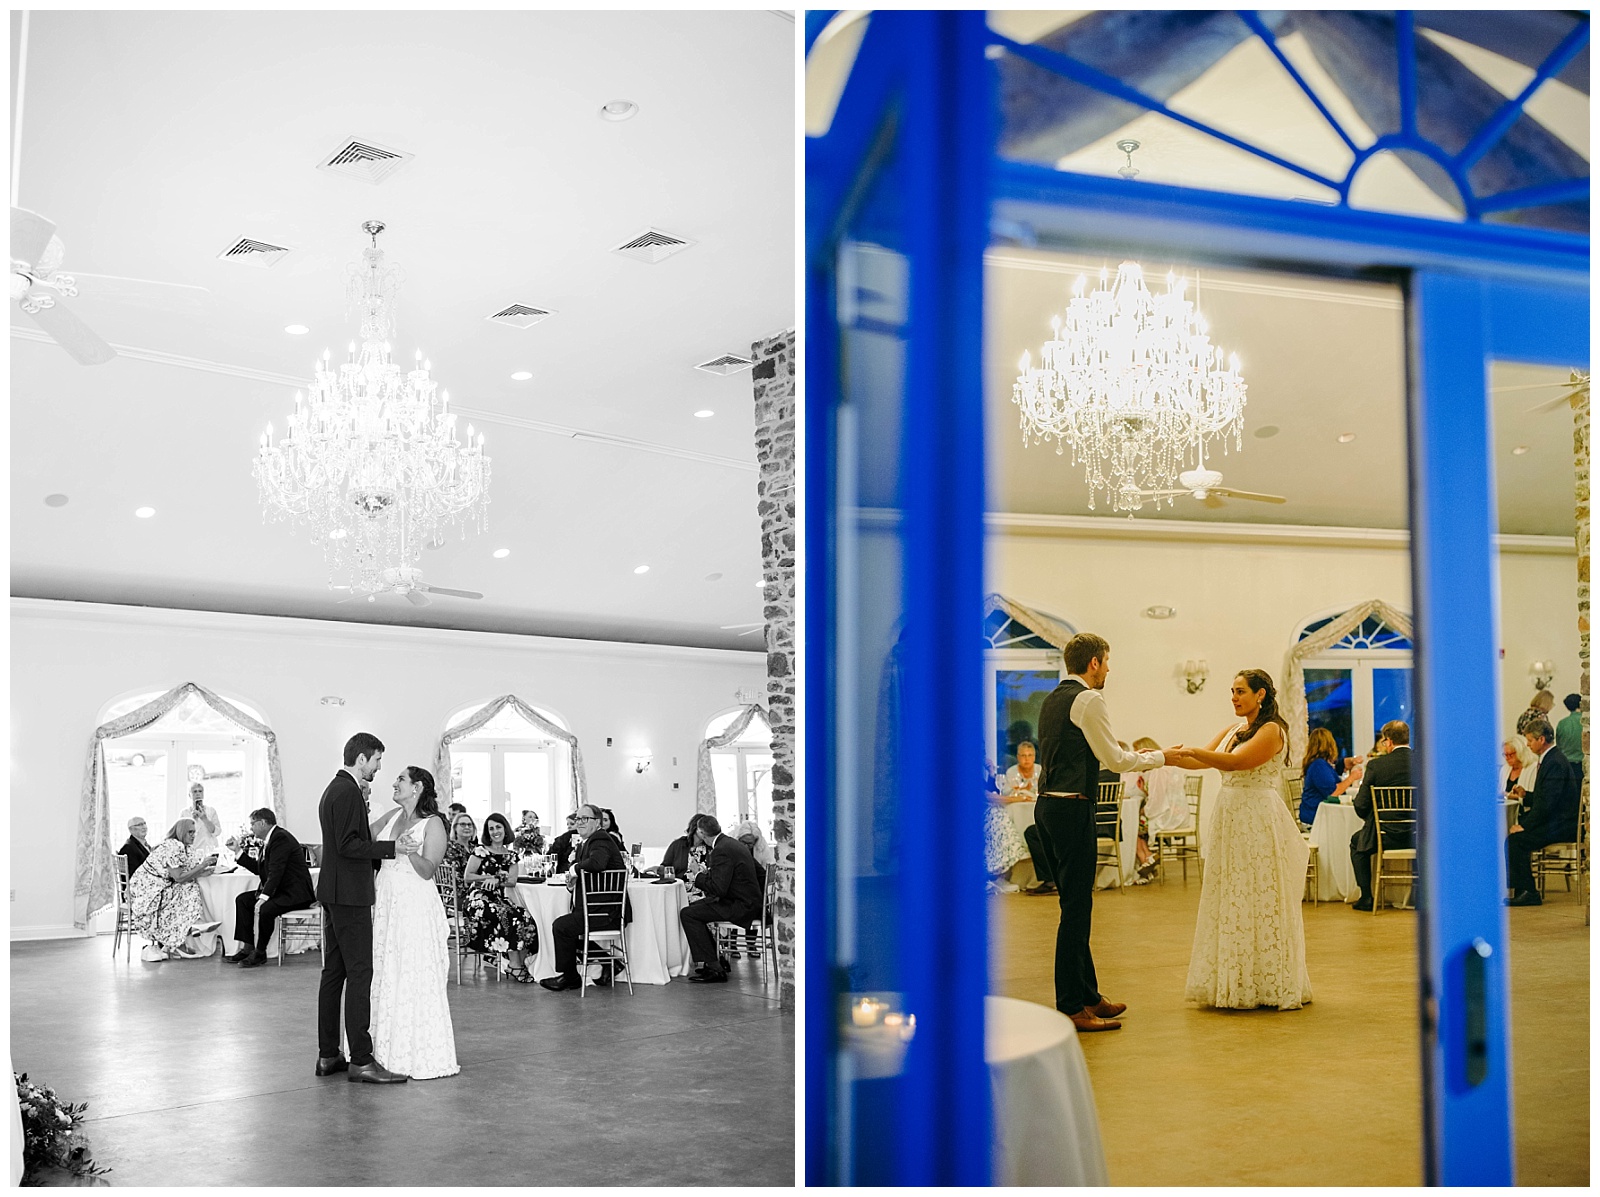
point(331, 1064)
point(376, 1074)
point(1526, 898)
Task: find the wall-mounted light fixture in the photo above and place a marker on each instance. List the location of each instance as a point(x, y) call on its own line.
point(1194, 675)
point(640, 764)
point(1542, 673)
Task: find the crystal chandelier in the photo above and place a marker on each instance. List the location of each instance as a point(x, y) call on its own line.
point(370, 460)
point(1131, 381)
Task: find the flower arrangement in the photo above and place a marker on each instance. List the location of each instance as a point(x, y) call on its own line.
point(51, 1138)
point(528, 841)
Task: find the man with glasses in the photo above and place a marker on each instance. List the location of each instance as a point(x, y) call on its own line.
point(594, 851)
point(138, 845)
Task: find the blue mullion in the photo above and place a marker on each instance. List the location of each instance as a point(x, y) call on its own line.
point(1255, 22)
point(1498, 125)
point(1534, 197)
point(1405, 53)
point(1078, 72)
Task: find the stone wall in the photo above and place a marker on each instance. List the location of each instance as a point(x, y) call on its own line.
point(1580, 449)
point(773, 381)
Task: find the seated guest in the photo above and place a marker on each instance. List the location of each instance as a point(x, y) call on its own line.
point(1549, 814)
point(529, 839)
point(1543, 703)
point(498, 925)
point(677, 854)
point(749, 834)
point(137, 847)
point(1569, 735)
point(285, 885)
point(1390, 767)
point(463, 838)
point(164, 902)
point(1318, 777)
point(1162, 805)
point(455, 809)
point(608, 822)
point(732, 895)
point(563, 844)
point(1003, 847)
point(595, 852)
point(1022, 779)
point(1518, 761)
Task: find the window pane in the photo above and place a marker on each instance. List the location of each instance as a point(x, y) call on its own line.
point(1019, 696)
point(471, 771)
point(1391, 697)
point(228, 792)
point(507, 724)
point(758, 776)
point(136, 784)
point(1329, 703)
point(725, 772)
point(528, 786)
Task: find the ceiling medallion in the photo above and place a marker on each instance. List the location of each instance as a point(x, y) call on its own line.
point(1131, 381)
point(371, 461)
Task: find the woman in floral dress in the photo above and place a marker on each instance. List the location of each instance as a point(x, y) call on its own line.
point(498, 925)
point(164, 899)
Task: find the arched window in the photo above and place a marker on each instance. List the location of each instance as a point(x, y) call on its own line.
point(1358, 683)
point(148, 773)
point(742, 771)
point(509, 765)
point(1022, 664)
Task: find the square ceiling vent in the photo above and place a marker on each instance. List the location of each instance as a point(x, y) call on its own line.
point(651, 246)
point(520, 315)
point(255, 253)
point(726, 364)
point(364, 160)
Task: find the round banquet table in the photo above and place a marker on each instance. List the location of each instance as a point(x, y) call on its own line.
point(218, 892)
point(1046, 1131)
point(657, 949)
point(1330, 832)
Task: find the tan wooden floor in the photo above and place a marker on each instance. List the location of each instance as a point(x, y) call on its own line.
point(1329, 1094)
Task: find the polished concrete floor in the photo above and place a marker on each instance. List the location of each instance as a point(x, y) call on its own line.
point(1326, 1095)
point(199, 1073)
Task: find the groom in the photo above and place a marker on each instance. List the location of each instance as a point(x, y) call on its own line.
point(346, 889)
point(1075, 740)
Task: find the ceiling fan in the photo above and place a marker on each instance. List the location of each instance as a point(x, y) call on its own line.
point(405, 580)
point(37, 281)
point(1206, 485)
point(1576, 384)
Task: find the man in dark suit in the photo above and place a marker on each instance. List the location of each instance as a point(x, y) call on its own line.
point(346, 889)
point(564, 843)
point(1392, 768)
point(732, 895)
point(138, 845)
point(594, 851)
point(1549, 816)
point(285, 885)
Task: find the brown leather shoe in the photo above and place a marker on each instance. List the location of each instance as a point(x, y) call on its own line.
point(1086, 1021)
point(1105, 1009)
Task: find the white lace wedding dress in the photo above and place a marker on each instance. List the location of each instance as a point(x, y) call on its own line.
point(1249, 940)
point(411, 1028)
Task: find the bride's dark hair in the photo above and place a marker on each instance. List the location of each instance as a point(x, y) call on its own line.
point(428, 800)
point(1259, 679)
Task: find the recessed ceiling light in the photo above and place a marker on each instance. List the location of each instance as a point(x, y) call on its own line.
point(713, 577)
point(296, 330)
point(522, 376)
point(502, 552)
point(55, 500)
point(331, 700)
point(619, 110)
point(704, 413)
point(1265, 431)
point(145, 513)
point(1346, 437)
point(1519, 450)
point(641, 569)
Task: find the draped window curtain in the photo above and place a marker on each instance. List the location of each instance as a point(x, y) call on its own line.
point(94, 872)
point(705, 783)
point(444, 780)
point(1292, 697)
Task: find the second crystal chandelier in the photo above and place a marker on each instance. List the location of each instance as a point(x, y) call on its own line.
point(1131, 381)
point(370, 459)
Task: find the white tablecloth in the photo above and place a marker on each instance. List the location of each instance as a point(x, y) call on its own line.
point(218, 892)
point(1022, 814)
point(1046, 1131)
point(1331, 832)
point(657, 949)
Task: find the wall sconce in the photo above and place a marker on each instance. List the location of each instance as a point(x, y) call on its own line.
point(1194, 675)
point(1542, 673)
point(640, 764)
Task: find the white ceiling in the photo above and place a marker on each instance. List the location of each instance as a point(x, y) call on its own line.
point(155, 140)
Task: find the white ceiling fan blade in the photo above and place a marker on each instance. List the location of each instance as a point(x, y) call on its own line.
point(754, 630)
point(1559, 401)
point(466, 594)
point(177, 298)
point(1230, 493)
point(1161, 494)
point(417, 599)
point(80, 341)
point(730, 627)
point(1531, 386)
point(30, 233)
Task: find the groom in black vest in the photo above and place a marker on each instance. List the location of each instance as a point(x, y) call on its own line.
point(1075, 740)
point(346, 889)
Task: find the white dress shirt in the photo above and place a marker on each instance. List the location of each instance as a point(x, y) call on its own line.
point(1093, 718)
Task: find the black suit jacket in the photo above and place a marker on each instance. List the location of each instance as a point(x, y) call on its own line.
point(730, 880)
point(283, 870)
point(1552, 811)
point(1390, 769)
point(562, 847)
point(350, 855)
point(135, 852)
point(597, 854)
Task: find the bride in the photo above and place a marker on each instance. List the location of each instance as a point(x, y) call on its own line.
point(411, 1028)
point(1249, 941)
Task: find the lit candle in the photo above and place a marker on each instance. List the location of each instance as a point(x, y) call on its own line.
point(863, 1013)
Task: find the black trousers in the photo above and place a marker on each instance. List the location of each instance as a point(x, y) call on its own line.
point(1067, 833)
point(567, 931)
point(244, 918)
point(1520, 847)
point(347, 967)
point(1361, 862)
point(696, 919)
point(1044, 865)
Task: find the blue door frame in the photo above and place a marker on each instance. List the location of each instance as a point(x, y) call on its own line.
point(1476, 292)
